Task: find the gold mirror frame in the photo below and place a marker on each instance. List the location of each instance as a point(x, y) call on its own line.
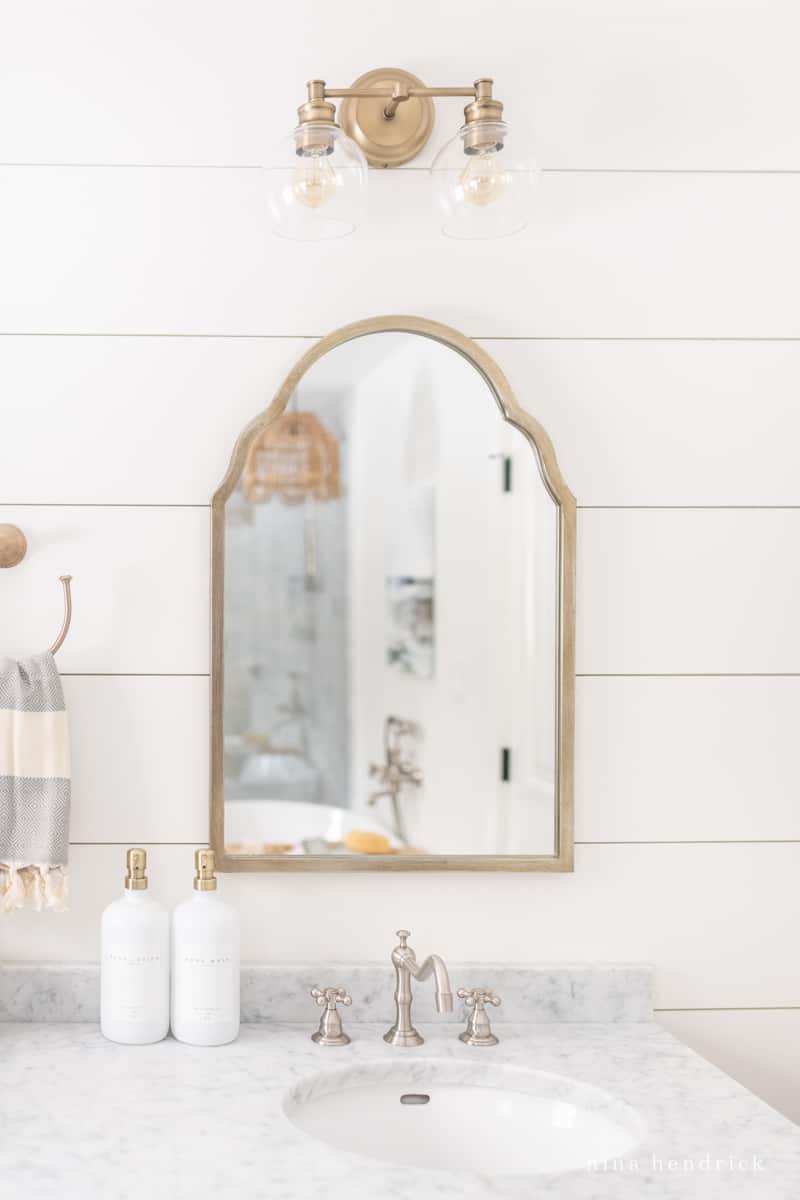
point(554, 481)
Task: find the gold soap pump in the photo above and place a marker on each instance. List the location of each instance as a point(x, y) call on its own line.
point(136, 873)
point(205, 879)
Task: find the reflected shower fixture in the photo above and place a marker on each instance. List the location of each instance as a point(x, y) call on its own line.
point(482, 180)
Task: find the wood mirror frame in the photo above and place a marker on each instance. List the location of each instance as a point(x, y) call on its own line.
point(565, 681)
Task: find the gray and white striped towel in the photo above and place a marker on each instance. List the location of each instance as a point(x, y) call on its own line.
point(34, 785)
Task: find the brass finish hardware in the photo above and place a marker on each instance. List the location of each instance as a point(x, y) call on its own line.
point(483, 119)
point(540, 443)
point(204, 878)
point(316, 109)
point(316, 117)
point(66, 583)
point(17, 540)
point(389, 113)
point(478, 1031)
point(388, 117)
point(135, 875)
point(13, 545)
point(13, 548)
point(330, 1032)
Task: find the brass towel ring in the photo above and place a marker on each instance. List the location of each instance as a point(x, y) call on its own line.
point(66, 580)
point(13, 548)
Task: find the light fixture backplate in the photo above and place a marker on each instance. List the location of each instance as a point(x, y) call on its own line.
point(384, 142)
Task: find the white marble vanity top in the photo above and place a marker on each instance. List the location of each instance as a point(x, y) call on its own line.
point(86, 1119)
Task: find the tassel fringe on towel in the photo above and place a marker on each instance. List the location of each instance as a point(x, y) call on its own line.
point(45, 887)
point(34, 785)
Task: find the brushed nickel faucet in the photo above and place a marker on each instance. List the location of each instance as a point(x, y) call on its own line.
point(404, 960)
point(330, 1032)
point(478, 1031)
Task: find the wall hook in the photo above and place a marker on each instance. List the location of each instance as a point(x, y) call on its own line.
point(66, 581)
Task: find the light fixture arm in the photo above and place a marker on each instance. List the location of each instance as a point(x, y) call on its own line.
point(398, 91)
point(481, 89)
point(398, 94)
point(371, 113)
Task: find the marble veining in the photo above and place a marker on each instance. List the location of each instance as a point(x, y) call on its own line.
point(280, 992)
point(85, 1119)
point(49, 992)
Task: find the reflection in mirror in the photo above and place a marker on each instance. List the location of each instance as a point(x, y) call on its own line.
point(391, 618)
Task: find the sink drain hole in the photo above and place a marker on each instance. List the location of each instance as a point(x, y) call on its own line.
point(414, 1098)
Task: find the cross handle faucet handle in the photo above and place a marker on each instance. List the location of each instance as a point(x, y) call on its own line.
point(478, 997)
point(478, 1031)
point(330, 1032)
point(330, 997)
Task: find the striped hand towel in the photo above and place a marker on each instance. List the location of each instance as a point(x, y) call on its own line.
point(34, 785)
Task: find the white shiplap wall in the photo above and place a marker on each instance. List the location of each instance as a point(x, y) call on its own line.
point(649, 318)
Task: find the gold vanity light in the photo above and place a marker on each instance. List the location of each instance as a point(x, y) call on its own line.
point(482, 181)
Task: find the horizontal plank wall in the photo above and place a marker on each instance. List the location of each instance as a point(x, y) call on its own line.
point(682, 907)
point(652, 422)
point(629, 84)
point(602, 241)
point(648, 317)
point(122, 727)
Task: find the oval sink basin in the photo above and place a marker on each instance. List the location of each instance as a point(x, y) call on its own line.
point(454, 1116)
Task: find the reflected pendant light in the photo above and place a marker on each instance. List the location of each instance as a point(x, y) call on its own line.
point(294, 457)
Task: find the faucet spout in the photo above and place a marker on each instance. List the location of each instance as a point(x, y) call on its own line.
point(434, 965)
point(406, 967)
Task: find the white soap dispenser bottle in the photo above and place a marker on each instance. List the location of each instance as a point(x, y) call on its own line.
point(205, 963)
point(134, 962)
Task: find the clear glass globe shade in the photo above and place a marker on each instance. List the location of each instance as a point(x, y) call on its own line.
point(484, 183)
point(317, 181)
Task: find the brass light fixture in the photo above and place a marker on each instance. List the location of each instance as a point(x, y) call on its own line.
point(482, 182)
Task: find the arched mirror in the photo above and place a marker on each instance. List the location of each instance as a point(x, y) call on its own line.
point(393, 618)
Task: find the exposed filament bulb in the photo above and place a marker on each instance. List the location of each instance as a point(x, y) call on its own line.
point(314, 183)
point(484, 179)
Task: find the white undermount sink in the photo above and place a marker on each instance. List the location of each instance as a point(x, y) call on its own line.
point(438, 1114)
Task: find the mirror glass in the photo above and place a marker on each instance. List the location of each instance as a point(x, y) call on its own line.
point(391, 618)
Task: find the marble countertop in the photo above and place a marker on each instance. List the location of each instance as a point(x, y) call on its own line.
point(84, 1118)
